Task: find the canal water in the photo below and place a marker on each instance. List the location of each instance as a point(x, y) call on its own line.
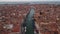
point(29, 22)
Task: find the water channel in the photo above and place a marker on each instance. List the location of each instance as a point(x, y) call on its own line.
point(29, 22)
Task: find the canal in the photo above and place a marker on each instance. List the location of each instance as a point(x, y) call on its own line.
point(29, 22)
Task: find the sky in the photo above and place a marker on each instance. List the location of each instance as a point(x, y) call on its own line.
point(25, 0)
point(30, 1)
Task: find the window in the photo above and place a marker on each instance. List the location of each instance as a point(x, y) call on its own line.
point(55, 32)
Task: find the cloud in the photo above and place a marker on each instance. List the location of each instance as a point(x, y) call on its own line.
point(25, 0)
